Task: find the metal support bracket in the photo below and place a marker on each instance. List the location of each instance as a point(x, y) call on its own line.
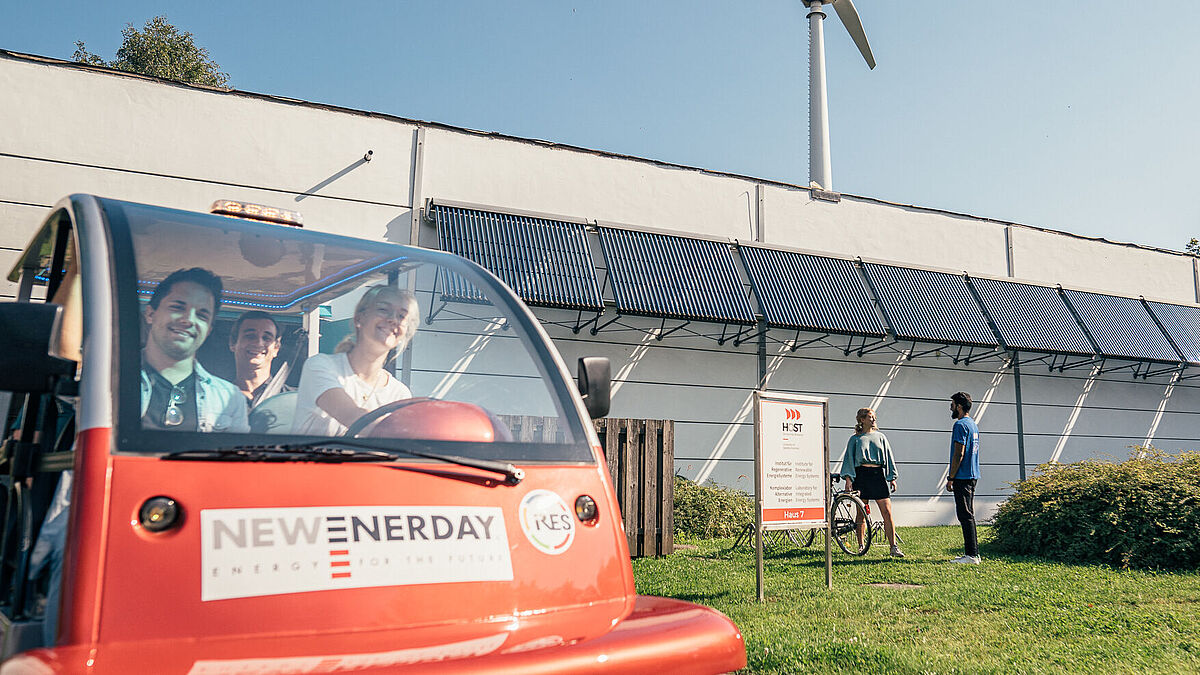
point(882, 343)
point(911, 355)
point(724, 329)
point(738, 339)
point(598, 328)
point(1071, 366)
point(662, 334)
point(1172, 369)
point(726, 337)
point(1017, 361)
point(798, 345)
point(433, 313)
point(580, 326)
point(972, 357)
point(433, 293)
point(1135, 367)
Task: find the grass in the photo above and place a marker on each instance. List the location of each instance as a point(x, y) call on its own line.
point(1009, 615)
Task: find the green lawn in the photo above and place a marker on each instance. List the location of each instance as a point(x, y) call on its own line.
point(1008, 615)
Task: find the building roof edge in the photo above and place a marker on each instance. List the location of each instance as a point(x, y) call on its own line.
point(100, 70)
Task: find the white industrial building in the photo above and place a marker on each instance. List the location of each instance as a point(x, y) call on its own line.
point(68, 128)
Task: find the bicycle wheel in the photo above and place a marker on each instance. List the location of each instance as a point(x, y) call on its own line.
point(847, 511)
point(802, 538)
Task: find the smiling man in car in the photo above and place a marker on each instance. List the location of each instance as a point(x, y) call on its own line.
point(255, 342)
point(177, 392)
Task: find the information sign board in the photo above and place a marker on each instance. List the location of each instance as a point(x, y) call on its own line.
point(791, 469)
point(792, 462)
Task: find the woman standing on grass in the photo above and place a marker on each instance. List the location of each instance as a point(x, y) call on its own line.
point(869, 467)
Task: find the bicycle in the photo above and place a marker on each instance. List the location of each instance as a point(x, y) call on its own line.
point(848, 508)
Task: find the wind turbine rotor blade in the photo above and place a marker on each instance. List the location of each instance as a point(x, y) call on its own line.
point(849, 16)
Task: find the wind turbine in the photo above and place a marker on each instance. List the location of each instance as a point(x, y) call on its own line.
point(818, 103)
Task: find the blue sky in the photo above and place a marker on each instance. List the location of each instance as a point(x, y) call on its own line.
point(1077, 116)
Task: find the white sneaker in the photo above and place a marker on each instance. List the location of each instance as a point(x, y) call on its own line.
point(896, 552)
point(966, 560)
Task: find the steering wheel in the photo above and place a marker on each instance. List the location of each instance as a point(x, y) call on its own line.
point(386, 409)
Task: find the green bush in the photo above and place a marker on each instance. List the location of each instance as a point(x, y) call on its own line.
point(1142, 513)
point(704, 511)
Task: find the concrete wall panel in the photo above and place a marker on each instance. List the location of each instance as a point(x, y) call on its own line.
point(18, 223)
point(857, 227)
point(73, 115)
point(1092, 264)
point(503, 172)
point(8, 258)
point(46, 183)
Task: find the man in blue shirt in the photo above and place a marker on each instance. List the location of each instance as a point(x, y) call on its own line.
point(964, 473)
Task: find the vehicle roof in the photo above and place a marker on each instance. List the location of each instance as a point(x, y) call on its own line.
point(304, 254)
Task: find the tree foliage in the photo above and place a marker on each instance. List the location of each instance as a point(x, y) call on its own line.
point(161, 50)
point(1143, 512)
point(1193, 246)
point(705, 511)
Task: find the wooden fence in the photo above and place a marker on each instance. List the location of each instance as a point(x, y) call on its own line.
point(641, 461)
point(533, 429)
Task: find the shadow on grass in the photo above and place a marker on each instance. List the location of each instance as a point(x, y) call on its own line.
point(701, 598)
point(990, 550)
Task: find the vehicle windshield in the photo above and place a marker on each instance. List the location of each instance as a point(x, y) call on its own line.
point(238, 333)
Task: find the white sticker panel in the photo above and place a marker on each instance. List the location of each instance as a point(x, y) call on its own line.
point(253, 552)
point(791, 461)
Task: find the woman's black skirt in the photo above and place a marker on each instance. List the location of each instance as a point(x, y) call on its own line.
point(869, 482)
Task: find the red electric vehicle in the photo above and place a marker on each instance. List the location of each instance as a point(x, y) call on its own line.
point(468, 526)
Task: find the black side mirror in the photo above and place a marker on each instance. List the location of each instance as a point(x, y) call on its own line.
point(595, 384)
point(28, 333)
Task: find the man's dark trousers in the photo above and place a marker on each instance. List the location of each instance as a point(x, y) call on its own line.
point(964, 504)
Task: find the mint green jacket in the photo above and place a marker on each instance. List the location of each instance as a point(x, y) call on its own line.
point(869, 448)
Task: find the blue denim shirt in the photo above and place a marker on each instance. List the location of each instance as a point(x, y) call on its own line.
point(219, 405)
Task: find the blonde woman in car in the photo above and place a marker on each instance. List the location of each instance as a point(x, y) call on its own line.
point(337, 389)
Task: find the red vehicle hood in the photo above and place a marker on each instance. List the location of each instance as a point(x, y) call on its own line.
point(659, 635)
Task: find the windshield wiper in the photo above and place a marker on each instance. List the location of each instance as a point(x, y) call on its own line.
point(345, 450)
point(282, 453)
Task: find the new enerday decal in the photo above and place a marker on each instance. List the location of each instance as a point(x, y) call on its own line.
point(253, 552)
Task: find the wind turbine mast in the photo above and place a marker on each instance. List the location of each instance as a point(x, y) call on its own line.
point(819, 171)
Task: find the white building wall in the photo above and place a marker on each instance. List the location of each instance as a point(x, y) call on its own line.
point(856, 227)
point(509, 173)
point(707, 390)
point(66, 129)
point(1091, 263)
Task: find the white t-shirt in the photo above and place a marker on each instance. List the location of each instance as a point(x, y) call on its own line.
point(323, 372)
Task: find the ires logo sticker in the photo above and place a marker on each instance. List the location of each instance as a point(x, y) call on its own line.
point(547, 522)
point(253, 552)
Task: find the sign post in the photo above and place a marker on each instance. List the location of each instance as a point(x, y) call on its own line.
point(791, 469)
